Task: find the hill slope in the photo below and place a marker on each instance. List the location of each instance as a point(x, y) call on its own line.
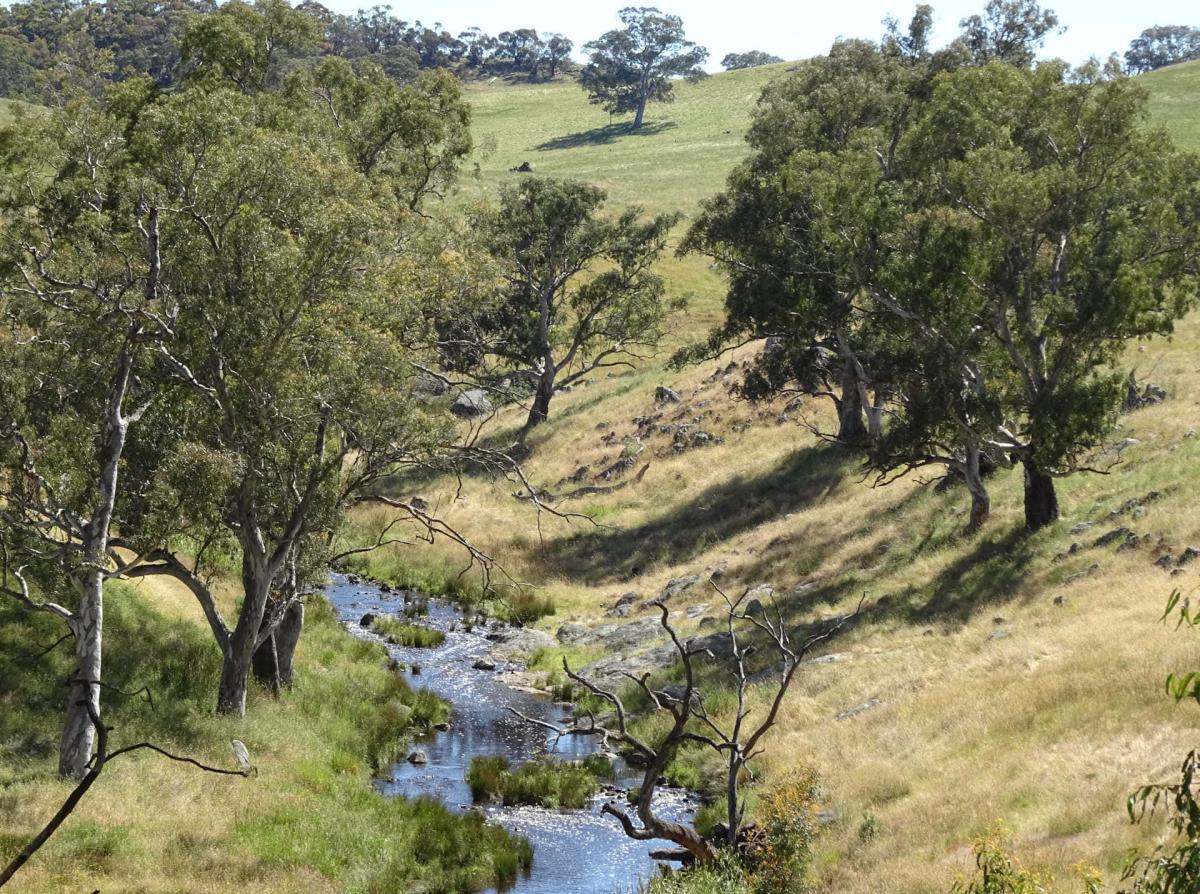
point(1002, 677)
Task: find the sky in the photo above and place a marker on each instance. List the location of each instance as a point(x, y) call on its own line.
point(792, 29)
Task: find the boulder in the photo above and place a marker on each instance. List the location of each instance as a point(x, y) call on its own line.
point(571, 632)
point(1113, 536)
point(484, 664)
point(665, 395)
point(1189, 555)
point(418, 758)
point(471, 403)
point(678, 585)
point(366, 620)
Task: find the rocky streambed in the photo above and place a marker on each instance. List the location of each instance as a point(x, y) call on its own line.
point(574, 850)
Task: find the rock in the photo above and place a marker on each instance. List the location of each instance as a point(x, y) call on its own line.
point(998, 634)
point(1060, 600)
point(1191, 434)
point(418, 758)
point(366, 620)
point(617, 469)
point(624, 605)
point(1081, 527)
point(1113, 536)
point(1189, 555)
point(428, 383)
point(471, 403)
point(484, 664)
point(678, 585)
point(523, 168)
point(1080, 575)
point(695, 611)
point(997, 620)
point(571, 633)
point(442, 727)
point(707, 621)
point(518, 643)
point(856, 710)
point(1164, 562)
point(665, 395)
point(720, 645)
point(628, 637)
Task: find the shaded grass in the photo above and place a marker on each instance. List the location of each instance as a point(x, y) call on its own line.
point(309, 822)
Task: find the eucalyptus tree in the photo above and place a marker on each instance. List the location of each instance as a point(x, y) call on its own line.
point(799, 227)
point(577, 294)
point(83, 308)
point(291, 366)
point(635, 65)
point(1071, 227)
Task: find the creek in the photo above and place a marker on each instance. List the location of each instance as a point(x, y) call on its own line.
point(575, 851)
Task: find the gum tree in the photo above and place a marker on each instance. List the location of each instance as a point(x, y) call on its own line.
point(577, 293)
point(635, 65)
point(83, 308)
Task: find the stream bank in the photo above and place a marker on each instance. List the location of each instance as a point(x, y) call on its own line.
point(574, 850)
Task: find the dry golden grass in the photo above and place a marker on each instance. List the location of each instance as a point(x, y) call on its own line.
point(994, 702)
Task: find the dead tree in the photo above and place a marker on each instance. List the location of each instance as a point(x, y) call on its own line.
point(738, 739)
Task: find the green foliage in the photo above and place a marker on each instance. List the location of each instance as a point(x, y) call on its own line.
point(544, 782)
point(723, 876)
point(578, 293)
point(632, 66)
point(398, 633)
point(787, 817)
point(896, 197)
point(753, 59)
point(1160, 46)
point(996, 872)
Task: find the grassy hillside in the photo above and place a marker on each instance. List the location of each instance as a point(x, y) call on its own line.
point(1002, 677)
point(1175, 101)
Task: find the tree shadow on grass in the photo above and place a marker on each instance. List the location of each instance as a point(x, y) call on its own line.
point(719, 513)
point(600, 136)
point(981, 579)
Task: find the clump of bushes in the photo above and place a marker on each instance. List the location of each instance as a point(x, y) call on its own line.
point(399, 633)
point(543, 782)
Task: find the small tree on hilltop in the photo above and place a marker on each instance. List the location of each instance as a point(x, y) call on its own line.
point(753, 59)
point(578, 293)
point(635, 65)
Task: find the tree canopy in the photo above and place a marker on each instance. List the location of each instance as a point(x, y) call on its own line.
point(635, 65)
point(1160, 46)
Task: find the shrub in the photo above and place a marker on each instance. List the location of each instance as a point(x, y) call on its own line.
point(787, 815)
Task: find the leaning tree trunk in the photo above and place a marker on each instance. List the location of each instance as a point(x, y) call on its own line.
point(981, 502)
point(539, 412)
point(1041, 502)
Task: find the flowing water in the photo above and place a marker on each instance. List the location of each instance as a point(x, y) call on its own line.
point(574, 850)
